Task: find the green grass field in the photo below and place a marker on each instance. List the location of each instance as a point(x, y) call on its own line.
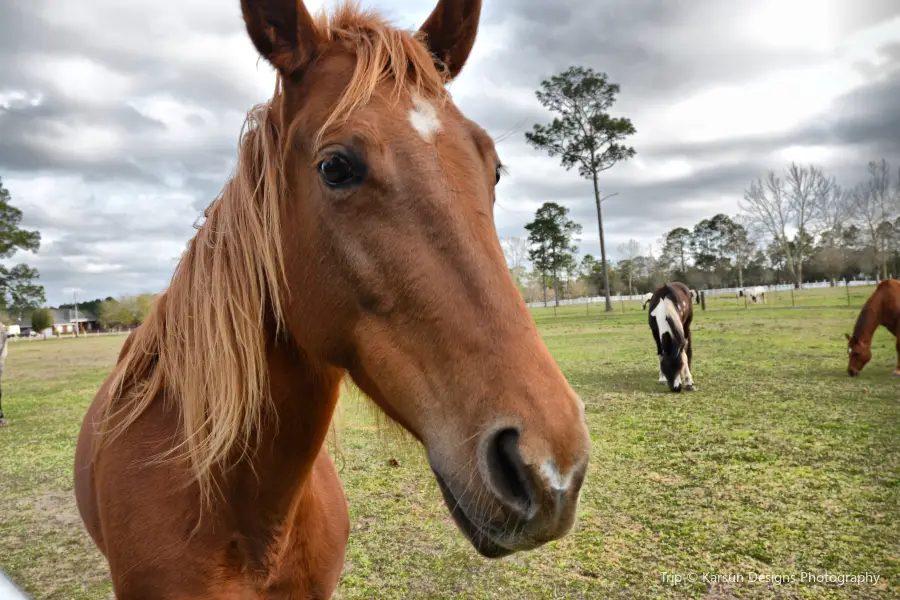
point(779, 465)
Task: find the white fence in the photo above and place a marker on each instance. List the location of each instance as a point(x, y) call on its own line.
point(66, 336)
point(780, 287)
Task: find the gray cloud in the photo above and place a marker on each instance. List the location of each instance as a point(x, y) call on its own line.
point(115, 168)
point(28, 132)
point(653, 48)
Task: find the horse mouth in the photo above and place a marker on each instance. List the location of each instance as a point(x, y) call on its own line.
point(475, 534)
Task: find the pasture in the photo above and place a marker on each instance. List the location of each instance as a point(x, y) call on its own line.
point(779, 467)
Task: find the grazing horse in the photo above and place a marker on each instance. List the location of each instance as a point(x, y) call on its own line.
point(695, 296)
point(671, 313)
point(755, 294)
point(355, 238)
point(4, 350)
point(882, 308)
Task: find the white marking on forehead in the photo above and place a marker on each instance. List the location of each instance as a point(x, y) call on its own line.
point(424, 118)
point(554, 477)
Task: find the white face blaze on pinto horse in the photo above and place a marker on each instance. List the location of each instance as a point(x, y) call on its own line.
point(356, 237)
point(671, 313)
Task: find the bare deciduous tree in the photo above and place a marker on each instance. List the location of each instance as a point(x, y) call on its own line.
point(767, 204)
point(516, 251)
point(794, 203)
point(875, 202)
point(630, 252)
point(835, 208)
point(744, 241)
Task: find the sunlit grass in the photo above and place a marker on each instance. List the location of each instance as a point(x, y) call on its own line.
point(778, 465)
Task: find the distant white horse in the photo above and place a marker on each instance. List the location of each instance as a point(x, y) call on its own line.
point(646, 300)
point(755, 294)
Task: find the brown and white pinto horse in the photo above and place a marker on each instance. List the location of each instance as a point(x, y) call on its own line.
point(882, 308)
point(356, 237)
point(671, 313)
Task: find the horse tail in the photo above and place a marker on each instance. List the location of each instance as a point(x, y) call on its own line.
point(674, 321)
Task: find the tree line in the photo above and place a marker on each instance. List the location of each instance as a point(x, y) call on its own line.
point(793, 226)
point(22, 296)
point(123, 312)
point(20, 293)
point(798, 225)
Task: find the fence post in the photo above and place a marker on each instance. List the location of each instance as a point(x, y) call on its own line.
point(703, 300)
point(792, 295)
point(745, 301)
point(622, 301)
point(847, 287)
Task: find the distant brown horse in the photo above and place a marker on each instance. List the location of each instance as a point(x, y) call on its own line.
point(882, 308)
point(355, 237)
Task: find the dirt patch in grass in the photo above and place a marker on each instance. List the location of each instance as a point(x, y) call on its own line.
point(58, 508)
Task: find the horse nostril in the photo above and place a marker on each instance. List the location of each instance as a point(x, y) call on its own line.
point(508, 475)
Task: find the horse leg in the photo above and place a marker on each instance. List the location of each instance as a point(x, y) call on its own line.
point(662, 378)
point(896, 371)
point(689, 346)
point(688, 360)
point(3, 421)
point(686, 373)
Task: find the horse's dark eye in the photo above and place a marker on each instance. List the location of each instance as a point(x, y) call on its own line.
point(497, 171)
point(337, 170)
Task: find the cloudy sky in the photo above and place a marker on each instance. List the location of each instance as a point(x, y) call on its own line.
point(119, 120)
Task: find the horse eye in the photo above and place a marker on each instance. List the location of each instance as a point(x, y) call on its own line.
point(497, 170)
point(337, 171)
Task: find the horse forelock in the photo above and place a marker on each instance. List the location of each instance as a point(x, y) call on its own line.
point(383, 54)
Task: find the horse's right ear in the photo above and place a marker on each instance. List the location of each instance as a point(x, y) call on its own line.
point(450, 32)
point(283, 32)
point(847, 335)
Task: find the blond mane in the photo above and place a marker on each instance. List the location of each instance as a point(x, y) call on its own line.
point(202, 348)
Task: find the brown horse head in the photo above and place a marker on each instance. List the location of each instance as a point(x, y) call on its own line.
point(391, 267)
point(859, 354)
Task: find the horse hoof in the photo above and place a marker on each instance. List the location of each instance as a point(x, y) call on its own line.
point(690, 388)
point(896, 374)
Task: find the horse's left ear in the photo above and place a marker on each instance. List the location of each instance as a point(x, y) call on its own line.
point(450, 32)
point(847, 335)
point(283, 32)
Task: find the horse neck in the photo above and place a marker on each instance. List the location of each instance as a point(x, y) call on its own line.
point(868, 320)
point(304, 395)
